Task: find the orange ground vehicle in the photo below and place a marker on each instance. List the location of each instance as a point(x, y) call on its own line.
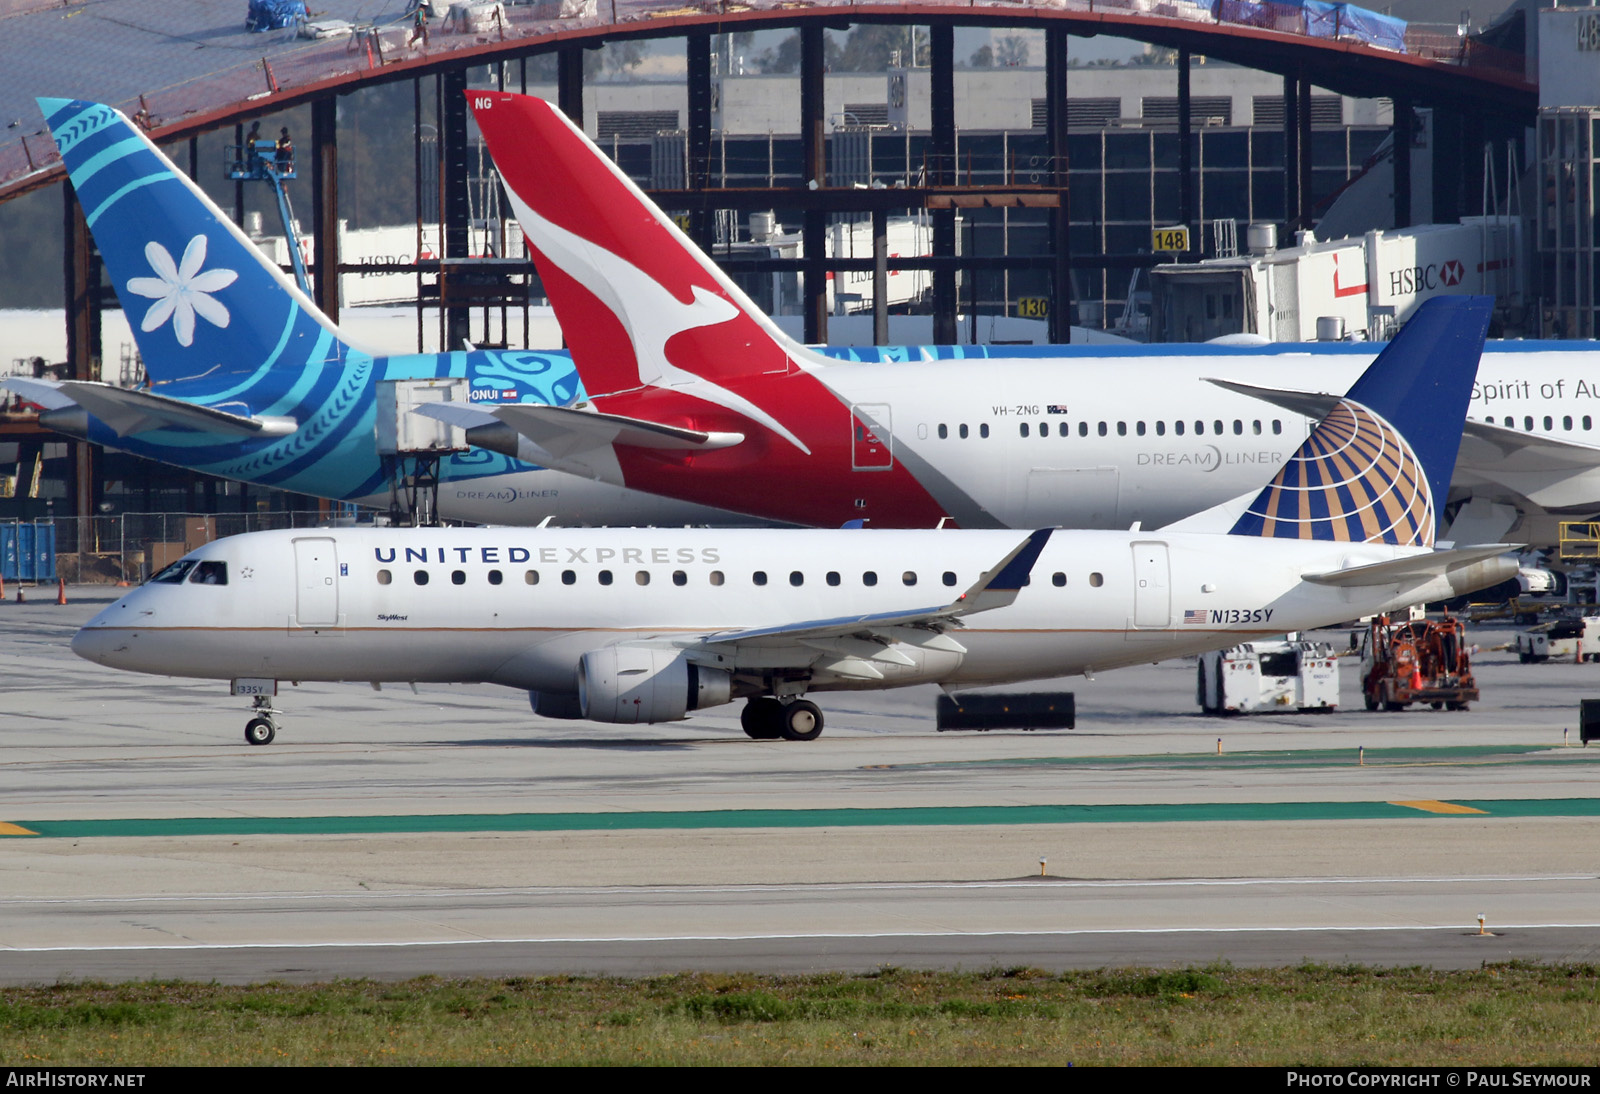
point(1420, 661)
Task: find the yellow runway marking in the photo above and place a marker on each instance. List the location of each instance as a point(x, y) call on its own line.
point(1440, 807)
point(9, 829)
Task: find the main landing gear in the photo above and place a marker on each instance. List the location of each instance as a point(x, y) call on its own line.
point(767, 719)
point(261, 729)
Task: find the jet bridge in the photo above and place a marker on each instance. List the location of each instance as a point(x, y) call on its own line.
point(411, 446)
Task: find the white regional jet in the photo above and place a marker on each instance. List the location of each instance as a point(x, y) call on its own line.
point(645, 625)
point(1005, 436)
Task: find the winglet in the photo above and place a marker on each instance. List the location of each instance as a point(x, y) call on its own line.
point(999, 586)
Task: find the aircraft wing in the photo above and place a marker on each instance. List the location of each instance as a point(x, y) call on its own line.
point(126, 412)
point(855, 646)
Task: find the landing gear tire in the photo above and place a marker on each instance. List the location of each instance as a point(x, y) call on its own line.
point(259, 731)
point(802, 721)
point(762, 718)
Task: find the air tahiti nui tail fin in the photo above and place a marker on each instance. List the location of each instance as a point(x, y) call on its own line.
point(640, 305)
point(1378, 468)
point(204, 303)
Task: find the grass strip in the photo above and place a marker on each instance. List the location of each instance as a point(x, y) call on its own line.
point(1514, 1014)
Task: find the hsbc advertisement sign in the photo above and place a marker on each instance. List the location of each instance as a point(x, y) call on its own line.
point(1410, 280)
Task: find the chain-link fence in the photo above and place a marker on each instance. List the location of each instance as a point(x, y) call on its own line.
point(131, 546)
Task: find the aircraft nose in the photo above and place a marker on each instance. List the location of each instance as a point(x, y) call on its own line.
point(95, 644)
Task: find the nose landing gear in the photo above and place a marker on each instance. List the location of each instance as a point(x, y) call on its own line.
point(766, 719)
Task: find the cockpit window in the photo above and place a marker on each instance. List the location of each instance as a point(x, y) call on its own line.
point(209, 573)
point(173, 574)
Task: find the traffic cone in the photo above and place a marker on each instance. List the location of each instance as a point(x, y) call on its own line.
point(2, 588)
point(61, 590)
point(20, 599)
point(1416, 679)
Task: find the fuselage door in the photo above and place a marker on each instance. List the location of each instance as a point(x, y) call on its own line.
point(316, 565)
point(1152, 585)
point(871, 437)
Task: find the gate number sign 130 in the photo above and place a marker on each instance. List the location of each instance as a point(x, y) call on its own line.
point(1170, 239)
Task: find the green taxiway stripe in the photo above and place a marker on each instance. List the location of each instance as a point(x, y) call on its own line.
point(795, 818)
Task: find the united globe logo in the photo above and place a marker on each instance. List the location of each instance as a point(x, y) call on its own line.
point(1354, 480)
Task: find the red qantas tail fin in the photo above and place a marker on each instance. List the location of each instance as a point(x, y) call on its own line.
point(640, 305)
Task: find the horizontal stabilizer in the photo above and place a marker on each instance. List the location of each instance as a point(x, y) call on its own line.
point(564, 431)
point(1313, 404)
point(1485, 446)
point(1416, 568)
point(126, 412)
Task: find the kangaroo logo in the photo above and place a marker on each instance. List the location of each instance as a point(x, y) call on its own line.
point(1354, 480)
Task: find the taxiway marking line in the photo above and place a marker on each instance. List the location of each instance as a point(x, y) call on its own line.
point(907, 816)
point(1461, 928)
point(1440, 807)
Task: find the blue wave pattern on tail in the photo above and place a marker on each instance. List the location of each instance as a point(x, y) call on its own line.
point(218, 324)
point(1376, 468)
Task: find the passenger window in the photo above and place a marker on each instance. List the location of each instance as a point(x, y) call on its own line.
point(531, 577)
point(1216, 427)
point(1566, 421)
point(1102, 429)
point(1062, 428)
point(605, 577)
point(869, 579)
point(1586, 421)
point(1548, 424)
point(1138, 427)
point(1083, 429)
point(1527, 423)
point(716, 577)
point(1096, 580)
point(642, 577)
point(420, 577)
point(944, 431)
point(680, 578)
point(1199, 428)
point(1122, 429)
point(496, 577)
point(1058, 579)
point(759, 577)
point(173, 574)
point(983, 430)
point(1023, 429)
point(384, 577)
point(1277, 427)
point(1238, 428)
point(568, 577)
point(909, 577)
point(949, 577)
point(833, 577)
point(796, 578)
point(209, 573)
point(458, 577)
point(962, 430)
point(1255, 427)
point(1177, 427)
point(1161, 429)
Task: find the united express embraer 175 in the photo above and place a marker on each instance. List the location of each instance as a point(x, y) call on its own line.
point(646, 625)
point(659, 333)
point(250, 381)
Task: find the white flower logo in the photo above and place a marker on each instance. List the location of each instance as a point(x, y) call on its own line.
point(181, 291)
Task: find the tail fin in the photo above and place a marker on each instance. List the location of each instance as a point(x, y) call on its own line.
point(200, 297)
point(1377, 470)
point(639, 303)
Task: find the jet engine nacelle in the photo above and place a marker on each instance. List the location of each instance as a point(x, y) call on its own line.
point(547, 704)
point(634, 684)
